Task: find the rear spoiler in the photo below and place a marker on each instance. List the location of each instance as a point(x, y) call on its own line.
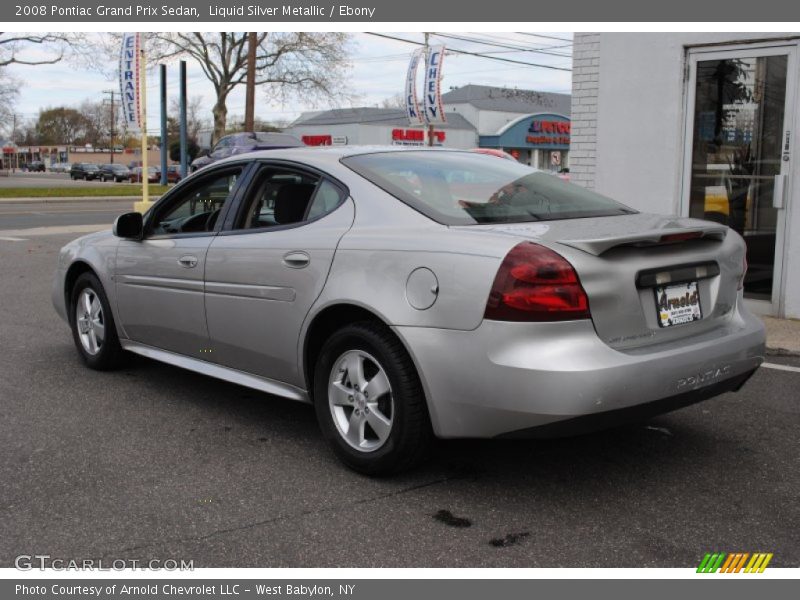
point(657, 237)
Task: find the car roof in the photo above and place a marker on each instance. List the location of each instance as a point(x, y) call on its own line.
point(323, 154)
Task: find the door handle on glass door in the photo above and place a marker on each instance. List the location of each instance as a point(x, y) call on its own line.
point(778, 191)
point(296, 260)
point(188, 261)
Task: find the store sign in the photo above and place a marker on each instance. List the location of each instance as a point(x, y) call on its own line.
point(415, 137)
point(317, 140)
point(412, 103)
point(432, 98)
point(549, 133)
point(129, 85)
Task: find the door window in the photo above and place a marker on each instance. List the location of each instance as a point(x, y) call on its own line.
point(736, 153)
point(286, 197)
point(198, 208)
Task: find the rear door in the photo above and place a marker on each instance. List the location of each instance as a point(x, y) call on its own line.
point(269, 265)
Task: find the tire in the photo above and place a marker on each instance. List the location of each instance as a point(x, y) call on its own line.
point(104, 352)
point(371, 450)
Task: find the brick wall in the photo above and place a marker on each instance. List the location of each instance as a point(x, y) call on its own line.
point(585, 81)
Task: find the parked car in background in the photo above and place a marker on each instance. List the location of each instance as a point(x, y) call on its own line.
point(60, 167)
point(239, 143)
point(412, 293)
point(173, 173)
point(85, 171)
point(153, 176)
point(115, 172)
point(35, 166)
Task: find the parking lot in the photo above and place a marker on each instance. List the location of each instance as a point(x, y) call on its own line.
point(21, 179)
point(155, 462)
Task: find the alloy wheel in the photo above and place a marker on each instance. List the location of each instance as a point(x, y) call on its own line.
point(360, 400)
point(90, 321)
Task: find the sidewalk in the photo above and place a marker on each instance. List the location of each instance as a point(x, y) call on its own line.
point(783, 336)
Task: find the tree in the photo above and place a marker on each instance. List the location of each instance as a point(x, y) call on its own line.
point(194, 122)
point(15, 50)
point(192, 150)
point(310, 66)
point(62, 125)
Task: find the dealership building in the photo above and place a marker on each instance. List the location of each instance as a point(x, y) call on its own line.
point(701, 125)
point(533, 126)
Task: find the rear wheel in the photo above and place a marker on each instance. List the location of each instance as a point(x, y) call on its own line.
point(369, 401)
point(92, 322)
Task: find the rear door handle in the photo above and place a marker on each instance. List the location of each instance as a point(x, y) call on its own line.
point(188, 261)
point(778, 191)
point(296, 260)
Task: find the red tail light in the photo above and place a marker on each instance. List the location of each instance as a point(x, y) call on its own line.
point(536, 284)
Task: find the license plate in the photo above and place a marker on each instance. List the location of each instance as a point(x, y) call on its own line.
point(678, 304)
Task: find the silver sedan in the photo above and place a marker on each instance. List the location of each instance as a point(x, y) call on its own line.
point(417, 293)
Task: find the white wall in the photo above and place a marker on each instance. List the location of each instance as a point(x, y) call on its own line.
point(639, 115)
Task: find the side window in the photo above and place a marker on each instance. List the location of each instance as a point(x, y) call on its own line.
point(278, 197)
point(325, 200)
point(198, 208)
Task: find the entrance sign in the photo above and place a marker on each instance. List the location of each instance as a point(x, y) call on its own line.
point(129, 72)
point(432, 97)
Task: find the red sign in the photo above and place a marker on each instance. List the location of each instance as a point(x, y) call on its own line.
point(317, 140)
point(553, 133)
point(415, 135)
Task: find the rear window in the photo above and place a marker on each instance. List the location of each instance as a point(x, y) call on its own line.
point(465, 188)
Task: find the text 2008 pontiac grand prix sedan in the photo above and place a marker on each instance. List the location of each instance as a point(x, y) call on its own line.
point(417, 293)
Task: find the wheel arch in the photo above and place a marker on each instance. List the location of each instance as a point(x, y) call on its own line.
point(75, 270)
point(327, 321)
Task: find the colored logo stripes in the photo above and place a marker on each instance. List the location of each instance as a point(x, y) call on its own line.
point(734, 562)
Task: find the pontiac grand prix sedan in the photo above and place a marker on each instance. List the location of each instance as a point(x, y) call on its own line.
point(416, 293)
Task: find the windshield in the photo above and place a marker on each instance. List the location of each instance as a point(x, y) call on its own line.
point(464, 188)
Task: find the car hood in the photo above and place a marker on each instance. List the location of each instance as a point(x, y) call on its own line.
point(598, 234)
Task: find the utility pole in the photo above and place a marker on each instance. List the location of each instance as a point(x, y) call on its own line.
point(15, 164)
point(427, 58)
point(112, 93)
point(249, 105)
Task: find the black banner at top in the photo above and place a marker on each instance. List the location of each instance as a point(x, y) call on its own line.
point(365, 11)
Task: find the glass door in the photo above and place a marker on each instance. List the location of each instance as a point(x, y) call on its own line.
point(738, 154)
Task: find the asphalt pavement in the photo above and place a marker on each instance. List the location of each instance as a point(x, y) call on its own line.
point(155, 462)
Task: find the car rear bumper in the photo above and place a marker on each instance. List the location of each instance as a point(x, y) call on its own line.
point(514, 378)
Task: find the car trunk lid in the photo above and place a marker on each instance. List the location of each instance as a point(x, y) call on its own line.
point(645, 274)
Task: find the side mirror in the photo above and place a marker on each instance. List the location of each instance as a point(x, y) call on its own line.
point(204, 152)
point(129, 226)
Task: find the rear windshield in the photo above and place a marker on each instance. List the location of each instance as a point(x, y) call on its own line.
point(465, 188)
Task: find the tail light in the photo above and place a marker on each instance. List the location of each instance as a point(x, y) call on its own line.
point(744, 271)
point(536, 284)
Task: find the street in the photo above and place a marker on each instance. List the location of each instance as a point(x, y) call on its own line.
point(156, 462)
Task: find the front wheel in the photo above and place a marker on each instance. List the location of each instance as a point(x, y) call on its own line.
point(369, 401)
point(92, 323)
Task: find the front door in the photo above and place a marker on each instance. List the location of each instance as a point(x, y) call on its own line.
point(738, 154)
point(159, 279)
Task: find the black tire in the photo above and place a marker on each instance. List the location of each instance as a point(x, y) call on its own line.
point(110, 354)
point(411, 434)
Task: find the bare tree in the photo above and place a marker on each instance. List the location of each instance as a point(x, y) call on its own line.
point(194, 122)
point(395, 101)
point(289, 65)
point(16, 48)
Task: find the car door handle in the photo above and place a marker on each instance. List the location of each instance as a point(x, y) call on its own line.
point(296, 260)
point(188, 261)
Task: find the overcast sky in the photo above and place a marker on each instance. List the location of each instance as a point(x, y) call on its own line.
point(378, 72)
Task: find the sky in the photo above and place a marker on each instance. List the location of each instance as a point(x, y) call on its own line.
point(378, 72)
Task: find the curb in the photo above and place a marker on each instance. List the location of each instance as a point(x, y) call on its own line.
point(781, 352)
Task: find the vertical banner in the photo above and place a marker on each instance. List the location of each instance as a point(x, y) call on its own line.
point(413, 113)
point(129, 72)
point(434, 111)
